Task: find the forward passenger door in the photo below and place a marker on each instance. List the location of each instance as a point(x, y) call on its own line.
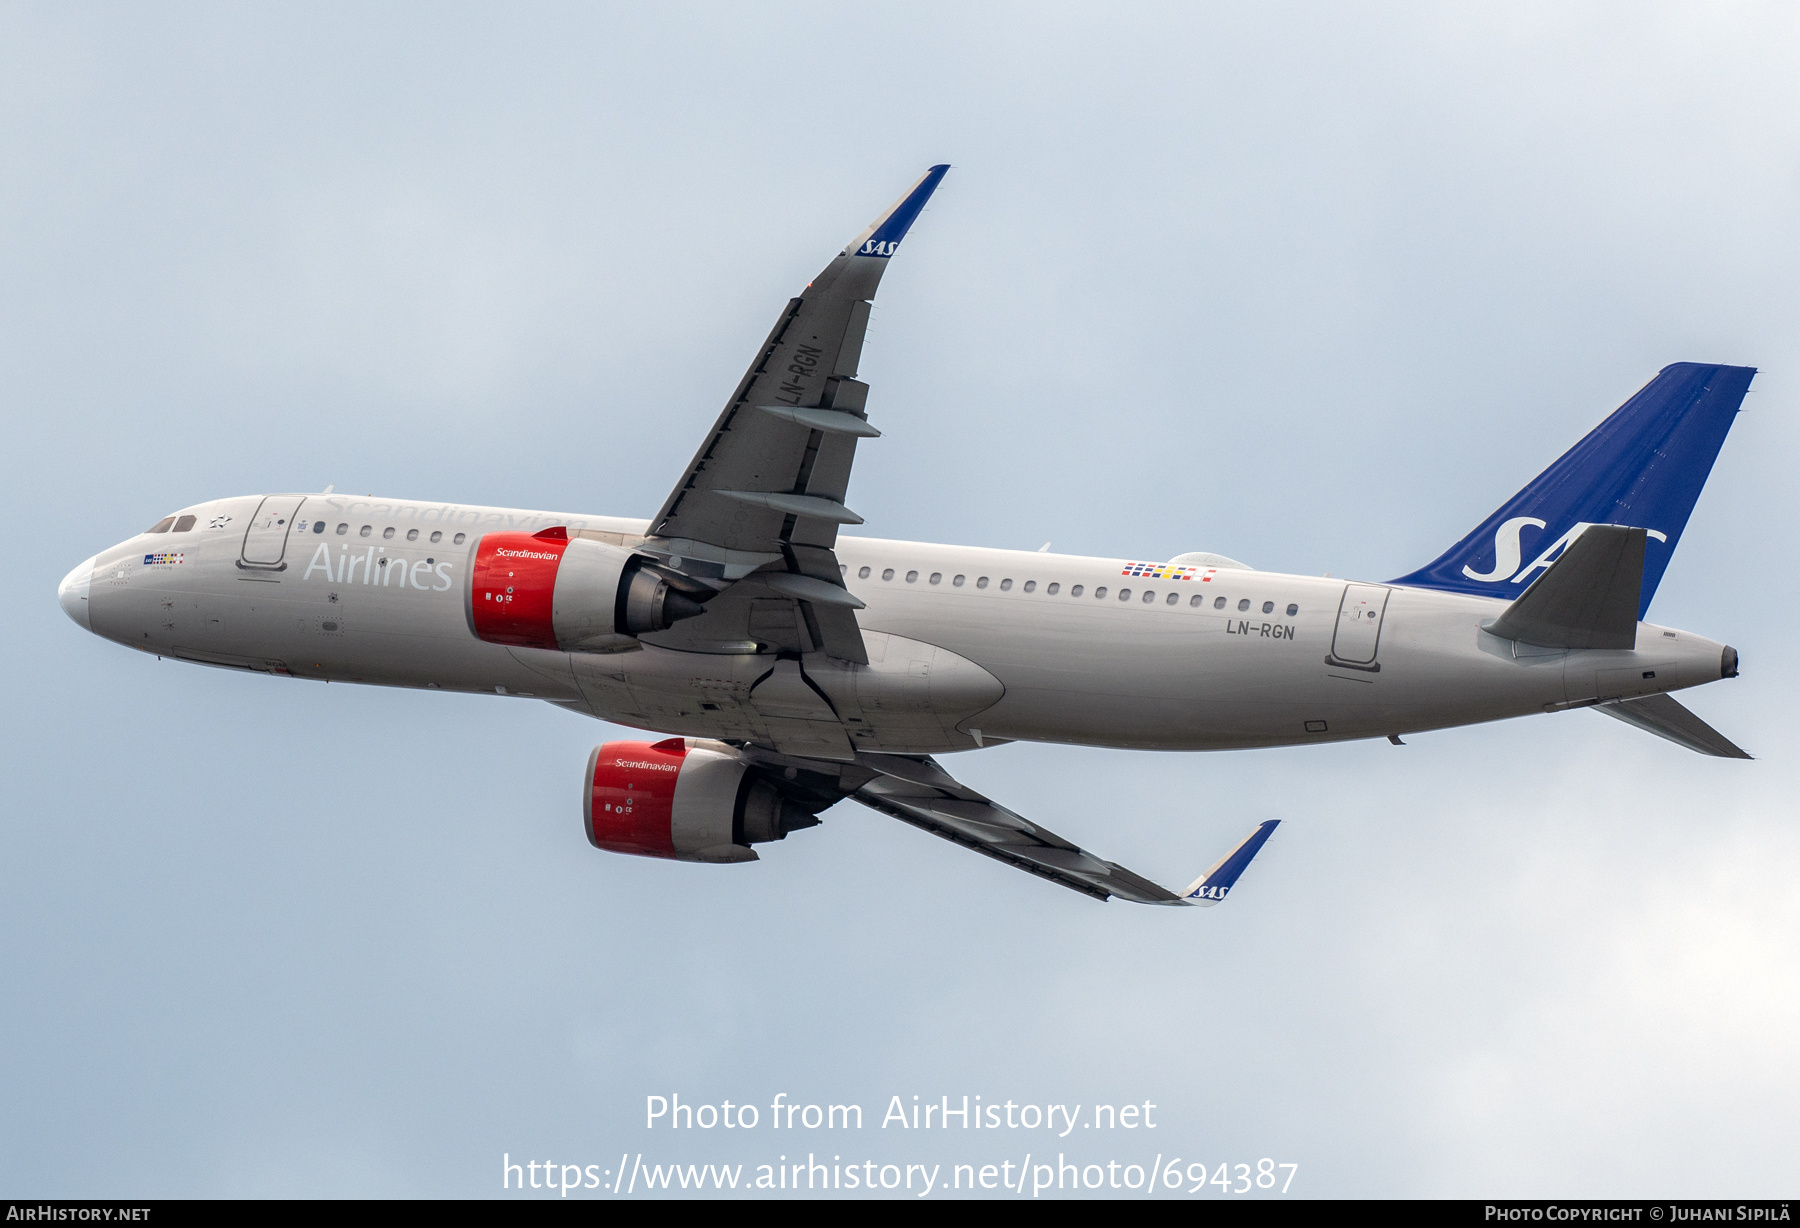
point(265, 541)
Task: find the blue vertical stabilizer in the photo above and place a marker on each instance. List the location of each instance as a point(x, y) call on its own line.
point(1643, 467)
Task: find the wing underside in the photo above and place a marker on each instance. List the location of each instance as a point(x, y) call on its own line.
point(764, 494)
point(918, 791)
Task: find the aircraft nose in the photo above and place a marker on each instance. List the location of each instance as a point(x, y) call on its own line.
point(72, 594)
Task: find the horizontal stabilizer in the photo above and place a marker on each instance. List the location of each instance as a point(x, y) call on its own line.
point(1587, 599)
point(1216, 883)
point(1664, 717)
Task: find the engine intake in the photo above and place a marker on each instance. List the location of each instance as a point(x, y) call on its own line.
point(683, 799)
point(546, 590)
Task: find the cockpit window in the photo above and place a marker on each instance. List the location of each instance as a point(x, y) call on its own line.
point(161, 526)
point(183, 524)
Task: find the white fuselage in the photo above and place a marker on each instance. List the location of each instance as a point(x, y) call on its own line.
point(967, 645)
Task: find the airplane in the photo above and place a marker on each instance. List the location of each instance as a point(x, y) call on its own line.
point(783, 666)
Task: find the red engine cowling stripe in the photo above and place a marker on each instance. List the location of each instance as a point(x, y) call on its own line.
point(514, 584)
point(631, 800)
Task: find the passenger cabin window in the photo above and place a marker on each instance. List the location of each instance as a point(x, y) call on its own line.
point(1099, 592)
point(1194, 601)
point(1218, 603)
point(1150, 596)
point(161, 526)
point(1006, 586)
point(1124, 594)
point(437, 535)
point(387, 534)
point(1175, 599)
point(1293, 610)
point(1268, 607)
point(184, 524)
point(862, 573)
point(1243, 605)
point(956, 581)
point(412, 535)
point(981, 583)
point(911, 576)
point(1051, 590)
point(887, 573)
point(319, 527)
point(936, 577)
point(366, 530)
point(458, 539)
point(342, 529)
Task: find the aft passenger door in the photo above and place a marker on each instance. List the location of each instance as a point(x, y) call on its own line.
point(265, 541)
point(1358, 635)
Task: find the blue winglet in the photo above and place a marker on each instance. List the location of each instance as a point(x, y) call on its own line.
point(1644, 467)
point(1217, 882)
point(882, 238)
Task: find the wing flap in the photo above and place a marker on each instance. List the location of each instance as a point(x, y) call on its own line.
point(777, 611)
point(808, 739)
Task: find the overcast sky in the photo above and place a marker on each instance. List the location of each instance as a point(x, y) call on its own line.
point(1317, 287)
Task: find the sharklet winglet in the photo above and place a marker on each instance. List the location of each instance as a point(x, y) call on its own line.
point(1214, 885)
point(882, 237)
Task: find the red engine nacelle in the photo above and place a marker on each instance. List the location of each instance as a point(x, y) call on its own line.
point(546, 590)
point(682, 799)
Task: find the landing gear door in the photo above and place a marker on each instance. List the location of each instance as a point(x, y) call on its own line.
point(1358, 634)
point(265, 541)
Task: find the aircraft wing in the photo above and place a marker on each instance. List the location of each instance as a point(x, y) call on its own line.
point(765, 492)
point(916, 790)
